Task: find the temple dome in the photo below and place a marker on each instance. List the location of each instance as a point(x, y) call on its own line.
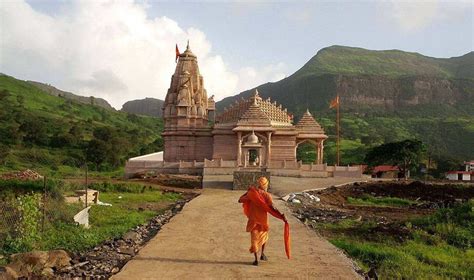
point(308, 124)
point(187, 52)
point(252, 139)
point(255, 110)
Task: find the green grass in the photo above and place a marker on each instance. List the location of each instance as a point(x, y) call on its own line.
point(369, 200)
point(392, 63)
point(439, 246)
point(411, 260)
point(107, 222)
point(132, 205)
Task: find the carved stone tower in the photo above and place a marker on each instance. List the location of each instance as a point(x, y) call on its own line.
point(187, 112)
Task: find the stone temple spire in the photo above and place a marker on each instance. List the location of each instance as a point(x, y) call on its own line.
point(186, 103)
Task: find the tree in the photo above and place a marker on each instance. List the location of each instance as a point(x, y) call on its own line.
point(405, 154)
point(96, 152)
point(4, 94)
point(306, 152)
point(4, 152)
point(445, 164)
point(20, 99)
point(35, 132)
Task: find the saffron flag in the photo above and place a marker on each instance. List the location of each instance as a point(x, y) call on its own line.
point(334, 102)
point(257, 199)
point(177, 53)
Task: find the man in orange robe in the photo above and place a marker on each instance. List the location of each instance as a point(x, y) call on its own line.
point(257, 223)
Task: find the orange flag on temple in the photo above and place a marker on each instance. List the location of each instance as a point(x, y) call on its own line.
point(177, 53)
point(334, 102)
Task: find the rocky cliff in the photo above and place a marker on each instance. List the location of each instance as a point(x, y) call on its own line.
point(372, 80)
point(385, 96)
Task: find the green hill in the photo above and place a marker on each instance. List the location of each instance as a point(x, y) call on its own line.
point(56, 135)
point(341, 60)
point(68, 95)
point(385, 96)
point(147, 107)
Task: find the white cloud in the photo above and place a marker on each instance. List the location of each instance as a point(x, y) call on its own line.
point(249, 77)
point(110, 49)
point(413, 16)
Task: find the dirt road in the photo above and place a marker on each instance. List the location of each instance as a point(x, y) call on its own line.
point(282, 186)
point(207, 240)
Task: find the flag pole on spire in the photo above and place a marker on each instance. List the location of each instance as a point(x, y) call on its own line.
point(335, 104)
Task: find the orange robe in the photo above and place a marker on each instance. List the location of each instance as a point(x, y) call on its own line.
point(257, 203)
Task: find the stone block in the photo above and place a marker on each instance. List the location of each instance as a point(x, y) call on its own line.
point(244, 178)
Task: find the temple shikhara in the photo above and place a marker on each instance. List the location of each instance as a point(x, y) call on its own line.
point(252, 133)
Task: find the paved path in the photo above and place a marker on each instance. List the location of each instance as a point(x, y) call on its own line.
point(207, 240)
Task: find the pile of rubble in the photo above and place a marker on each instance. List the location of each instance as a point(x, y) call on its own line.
point(109, 257)
point(308, 215)
point(186, 181)
point(25, 175)
point(301, 197)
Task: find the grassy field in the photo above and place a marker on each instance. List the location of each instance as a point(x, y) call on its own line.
point(439, 246)
point(132, 205)
point(380, 201)
point(108, 222)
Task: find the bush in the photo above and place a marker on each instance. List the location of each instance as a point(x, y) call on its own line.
point(455, 225)
point(27, 229)
point(16, 187)
point(119, 187)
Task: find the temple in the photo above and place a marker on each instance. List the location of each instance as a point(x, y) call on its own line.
point(187, 113)
point(252, 133)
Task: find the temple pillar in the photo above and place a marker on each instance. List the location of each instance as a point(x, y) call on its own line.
point(239, 148)
point(269, 152)
point(318, 152)
point(321, 152)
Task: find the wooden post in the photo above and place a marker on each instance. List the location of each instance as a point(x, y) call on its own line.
point(338, 142)
point(44, 204)
point(86, 186)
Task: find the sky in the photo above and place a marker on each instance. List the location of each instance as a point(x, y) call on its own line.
point(124, 50)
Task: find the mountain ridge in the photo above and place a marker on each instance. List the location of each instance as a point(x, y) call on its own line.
point(385, 96)
point(92, 100)
point(147, 106)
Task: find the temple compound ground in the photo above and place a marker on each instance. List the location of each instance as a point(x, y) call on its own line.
point(207, 240)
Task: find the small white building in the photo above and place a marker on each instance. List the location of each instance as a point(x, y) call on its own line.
point(466, 175)
point(469, 165)
point(460, 175)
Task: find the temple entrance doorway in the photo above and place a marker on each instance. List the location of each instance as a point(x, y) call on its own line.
point(306, 152)
point(254, 159)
